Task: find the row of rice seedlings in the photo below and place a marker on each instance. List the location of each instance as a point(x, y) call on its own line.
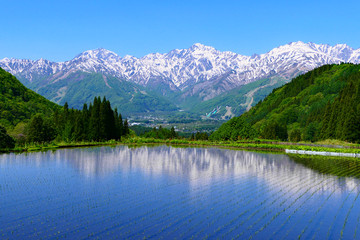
point(302, 220)
point(290, 192)
point(271, 207)
point(289, 206)
point(177, 205)
point(7, 188)
point(29, 192)
point(349, 211)
point(277, 184)
point(320, 224)
point(118, 212)
point(343, 171)
point(357, 226)
point(250, 197)
point(48, 212)
point(179, 212)
point(286, 208)
point(338, 212)
point(281, 228)
point(244, 193)
point(221, 205)
point(313, 217)
point(37, 199)
point(173, 215)
point(140, 204)
point(122, 211)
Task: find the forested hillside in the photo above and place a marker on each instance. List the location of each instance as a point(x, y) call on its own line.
point(29, 117)
point(17, 103)
point(321, 104)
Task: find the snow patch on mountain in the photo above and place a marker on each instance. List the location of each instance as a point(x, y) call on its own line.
point(182, 68)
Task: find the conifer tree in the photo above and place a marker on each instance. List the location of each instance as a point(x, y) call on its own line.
point(103, 120)
point(78, 127)
point(121, 126)
point(173, 134)
point(85, 115)
point(351, 131)
point(117, 133)
point(324, 134)
point(94, 123)
point(126, 127)
point(40, 130)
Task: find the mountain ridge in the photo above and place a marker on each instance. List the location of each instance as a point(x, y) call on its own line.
point(184, 76)
point(199, 62)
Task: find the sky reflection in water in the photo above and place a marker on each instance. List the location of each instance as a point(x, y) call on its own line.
point(173, 192)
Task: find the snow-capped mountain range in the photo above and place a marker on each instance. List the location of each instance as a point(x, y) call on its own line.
point(183, 79)
point(181, 68)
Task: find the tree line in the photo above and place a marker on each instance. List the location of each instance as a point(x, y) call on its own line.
point(321, 104)
point(98, 122)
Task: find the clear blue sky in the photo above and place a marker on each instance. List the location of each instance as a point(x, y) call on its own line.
point(59, 30)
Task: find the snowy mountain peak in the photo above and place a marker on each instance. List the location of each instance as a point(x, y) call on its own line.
point(199, 64)
point(200, 47)
point(99, 53)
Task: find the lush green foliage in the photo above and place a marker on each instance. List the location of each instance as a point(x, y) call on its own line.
point(5, 140)
point(19, 104)
point(329, 165)
point(161, 133)
point(235, 129)
point(99, 122)
point(321, 104)
point(40, 129)
point(140, 130)
point(199, 136)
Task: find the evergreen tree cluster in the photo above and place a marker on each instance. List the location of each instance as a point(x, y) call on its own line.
point(40, 129)
point(199, 136)
point(321, 104)
point(341, 119)
point(161, 133)
point(98, 122)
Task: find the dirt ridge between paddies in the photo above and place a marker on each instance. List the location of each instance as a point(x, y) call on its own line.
point(266, 145)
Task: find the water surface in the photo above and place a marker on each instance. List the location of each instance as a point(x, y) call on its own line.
point(166, 192)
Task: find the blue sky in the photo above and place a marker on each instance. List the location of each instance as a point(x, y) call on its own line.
point(59, 30)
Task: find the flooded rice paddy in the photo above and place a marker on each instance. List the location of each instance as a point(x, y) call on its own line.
point(165, 192)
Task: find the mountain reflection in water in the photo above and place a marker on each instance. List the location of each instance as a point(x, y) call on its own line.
point(207, 164)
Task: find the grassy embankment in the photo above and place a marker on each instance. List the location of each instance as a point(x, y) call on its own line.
point(259, 144)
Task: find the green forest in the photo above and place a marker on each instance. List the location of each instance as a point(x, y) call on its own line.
point(18, 103)
point(27, 117)
point(98, 122)
point(321, 104)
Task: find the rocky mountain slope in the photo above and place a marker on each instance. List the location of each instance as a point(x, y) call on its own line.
point(199, 72)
